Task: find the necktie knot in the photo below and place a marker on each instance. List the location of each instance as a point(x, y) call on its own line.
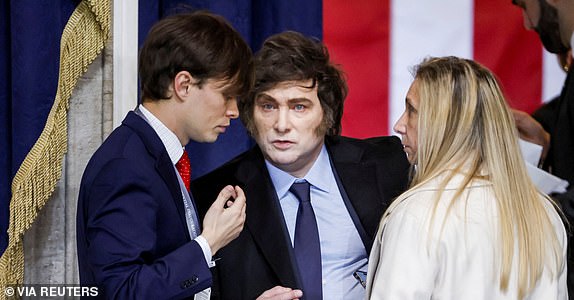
point(301, 190)
point(184, 168)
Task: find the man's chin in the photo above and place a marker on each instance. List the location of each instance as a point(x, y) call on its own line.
point(281, 162)
point(208, 139)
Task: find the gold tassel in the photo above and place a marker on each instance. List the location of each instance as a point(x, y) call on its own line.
point(82, 41)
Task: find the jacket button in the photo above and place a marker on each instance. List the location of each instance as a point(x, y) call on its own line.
point(185, 284)
point(194, 279)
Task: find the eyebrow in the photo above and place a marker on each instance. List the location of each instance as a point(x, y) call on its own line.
point(266, 97)
point(299, 100)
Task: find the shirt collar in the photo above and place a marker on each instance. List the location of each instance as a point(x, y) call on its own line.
point(317, 175)
point(167, 137)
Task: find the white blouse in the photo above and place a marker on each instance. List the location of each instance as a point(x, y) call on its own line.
point(457, 259)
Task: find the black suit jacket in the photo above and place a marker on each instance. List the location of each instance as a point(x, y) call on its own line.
point(561, 153)
point(371, 172)
point(131, 230)
point(561, 162)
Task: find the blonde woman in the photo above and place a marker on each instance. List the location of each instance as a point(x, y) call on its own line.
point(472, 225)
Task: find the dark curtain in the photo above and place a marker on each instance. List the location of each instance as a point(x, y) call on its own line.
point(255, 20)
point(30, 32)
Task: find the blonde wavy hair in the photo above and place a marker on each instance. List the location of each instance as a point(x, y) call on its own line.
point(466, 127)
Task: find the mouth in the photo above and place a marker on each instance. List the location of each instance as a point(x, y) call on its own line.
point(222, 128)
point(282, 144)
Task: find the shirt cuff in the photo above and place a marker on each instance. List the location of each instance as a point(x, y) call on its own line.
point(206, 250)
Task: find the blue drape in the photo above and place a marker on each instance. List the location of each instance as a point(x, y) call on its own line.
point(255, 20)
point(30, 32)
point(5, 133)
point(29, 59)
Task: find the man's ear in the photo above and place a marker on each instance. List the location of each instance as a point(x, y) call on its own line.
point(183, 83)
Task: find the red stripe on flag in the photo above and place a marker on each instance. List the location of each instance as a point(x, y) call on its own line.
point(357, 35)
point(514, 54)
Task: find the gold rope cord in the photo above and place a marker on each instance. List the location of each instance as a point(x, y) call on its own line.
point(82, 41)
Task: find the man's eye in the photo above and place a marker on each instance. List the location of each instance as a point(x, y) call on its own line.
point(299, 107)
point(267, 106)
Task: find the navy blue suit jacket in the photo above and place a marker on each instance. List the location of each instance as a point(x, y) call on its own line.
point(370, 173)
point(132, 236)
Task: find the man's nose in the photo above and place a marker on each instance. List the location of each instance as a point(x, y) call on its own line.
point(283, 122)
point(232, 112)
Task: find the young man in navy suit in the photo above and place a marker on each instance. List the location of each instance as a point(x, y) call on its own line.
point(138, 233)
point(302, 167)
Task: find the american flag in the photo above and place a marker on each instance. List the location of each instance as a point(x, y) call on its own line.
point(377, 42)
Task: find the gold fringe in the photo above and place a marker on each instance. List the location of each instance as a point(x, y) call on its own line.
point(82, 41)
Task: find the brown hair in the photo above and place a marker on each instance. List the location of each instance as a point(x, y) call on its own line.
point(290, 56)
point(201, 43)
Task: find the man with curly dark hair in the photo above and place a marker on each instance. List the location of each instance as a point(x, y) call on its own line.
point(315, 197)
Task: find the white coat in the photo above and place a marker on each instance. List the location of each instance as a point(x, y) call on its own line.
point(457, 259)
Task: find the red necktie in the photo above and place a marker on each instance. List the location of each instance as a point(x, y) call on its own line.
point(184, 169)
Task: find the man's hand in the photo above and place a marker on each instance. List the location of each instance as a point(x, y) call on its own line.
point(530, 130)
point(280, 293)
point(222, 225)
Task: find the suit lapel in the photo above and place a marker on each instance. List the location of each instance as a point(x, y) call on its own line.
point(355, 175)
point(163, 163)
point(164, 168)
point(265, 219)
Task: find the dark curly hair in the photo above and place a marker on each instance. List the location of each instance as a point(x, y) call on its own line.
point(290, 56)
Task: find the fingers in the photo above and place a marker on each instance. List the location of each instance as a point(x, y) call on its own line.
point(221, 225)
point(278, 290)
point(239, 207)
point(239, 201)
point(225, 194)
point(281, 293)
point(239, 195)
